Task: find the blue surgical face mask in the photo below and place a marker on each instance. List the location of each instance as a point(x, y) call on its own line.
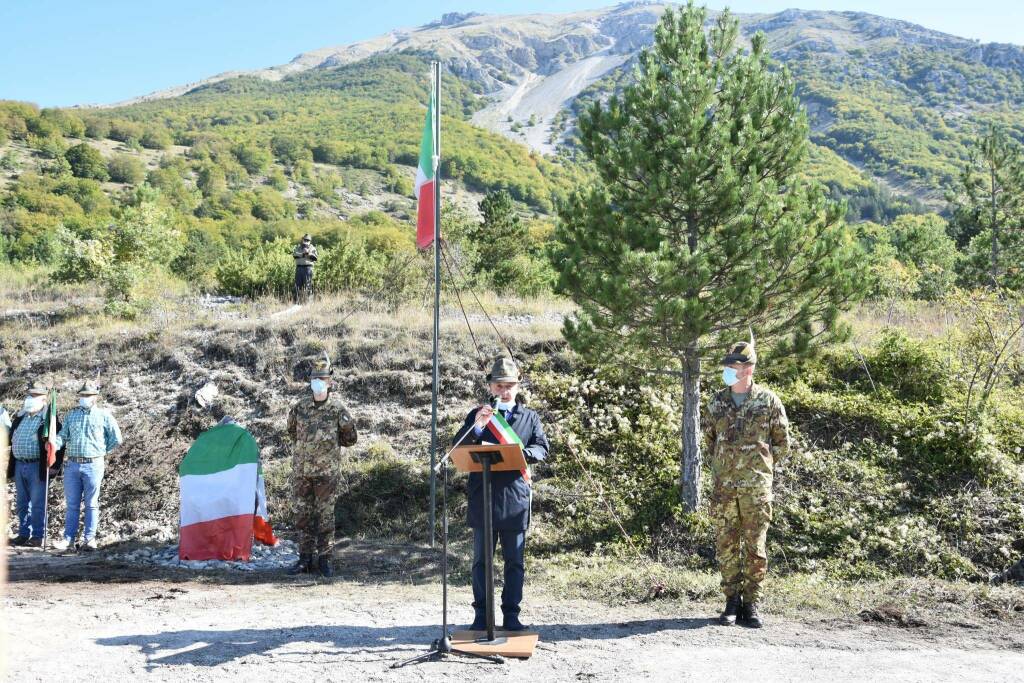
point(87, 402)
point(318, 386)
point(729, 376)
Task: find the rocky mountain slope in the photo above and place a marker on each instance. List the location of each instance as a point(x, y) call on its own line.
point(896, 100)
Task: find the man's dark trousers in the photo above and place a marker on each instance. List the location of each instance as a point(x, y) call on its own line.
point(303, 282)
point(513, 546)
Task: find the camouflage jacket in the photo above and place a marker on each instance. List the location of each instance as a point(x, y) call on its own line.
point(318, 431)
point(304, 255)
point(745, 443)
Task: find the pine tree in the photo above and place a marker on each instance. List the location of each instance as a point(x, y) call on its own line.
point(701, 223)
point(988, 212)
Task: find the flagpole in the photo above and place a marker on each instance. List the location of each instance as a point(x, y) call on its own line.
point(436, 94)
point(441, 648)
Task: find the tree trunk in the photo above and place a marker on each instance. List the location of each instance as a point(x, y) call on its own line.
point(995, 231)
point(691, 456)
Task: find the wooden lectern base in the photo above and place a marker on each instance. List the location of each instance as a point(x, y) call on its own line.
point(508, 643)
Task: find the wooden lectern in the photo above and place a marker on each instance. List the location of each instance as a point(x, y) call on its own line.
point(487, 458)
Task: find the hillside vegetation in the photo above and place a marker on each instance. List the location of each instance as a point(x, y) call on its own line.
point(908, 461)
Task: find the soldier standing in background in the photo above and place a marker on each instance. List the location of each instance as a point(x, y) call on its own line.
point(747, 433)
point(305, 256)
point(319, 425)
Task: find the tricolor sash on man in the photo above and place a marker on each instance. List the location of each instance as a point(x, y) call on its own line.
point(502, 433)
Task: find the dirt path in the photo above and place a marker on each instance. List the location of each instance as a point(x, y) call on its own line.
point(78, 618)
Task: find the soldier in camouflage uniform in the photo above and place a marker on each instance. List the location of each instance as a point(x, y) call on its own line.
point(320, 425)
point(747, 434)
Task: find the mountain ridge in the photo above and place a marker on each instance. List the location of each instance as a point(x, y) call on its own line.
point(629, 24)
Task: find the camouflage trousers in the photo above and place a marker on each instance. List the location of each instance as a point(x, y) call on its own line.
point(741, 517)
point(314, 514)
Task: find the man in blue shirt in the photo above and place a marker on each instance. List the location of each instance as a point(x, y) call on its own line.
point(89, 434)
point(27, 466)
point(510, 493)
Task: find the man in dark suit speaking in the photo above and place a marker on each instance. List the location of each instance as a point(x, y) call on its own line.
point(506, 420)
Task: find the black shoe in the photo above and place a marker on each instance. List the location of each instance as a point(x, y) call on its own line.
point(733, 606)
point(479, 621)
point(323, 565)
point(751, 617)
point(17, 541)
point(303, 566)
point(511, 623)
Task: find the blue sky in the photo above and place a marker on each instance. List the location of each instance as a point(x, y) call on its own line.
point(63, 52)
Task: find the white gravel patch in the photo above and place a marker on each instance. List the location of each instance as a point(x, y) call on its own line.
point(263, 558)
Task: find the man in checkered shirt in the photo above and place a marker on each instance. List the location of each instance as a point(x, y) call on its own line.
point(89, 433)
point(27, 467)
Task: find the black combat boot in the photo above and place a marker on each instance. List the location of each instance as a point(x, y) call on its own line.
point(733, 605)
point(323, 565)
point(751, 617)
point(303, 566)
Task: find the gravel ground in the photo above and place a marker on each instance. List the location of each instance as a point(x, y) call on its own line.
point(263, 558)
point(77, 616)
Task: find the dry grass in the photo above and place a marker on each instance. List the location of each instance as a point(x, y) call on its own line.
point(931, 601)
point(919, 319)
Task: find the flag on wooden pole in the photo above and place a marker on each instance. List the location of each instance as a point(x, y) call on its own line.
point(50, 430)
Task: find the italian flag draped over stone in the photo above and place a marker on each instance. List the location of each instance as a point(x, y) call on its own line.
point(221, 493)
point(425, 183)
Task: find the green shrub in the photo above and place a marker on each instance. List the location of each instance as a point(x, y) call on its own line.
point(97, 127)
point(254, 158)
point(87, 162)
point(124, 168)
point(911, 368)
point(267, 269)
point(125, 131)
point(197, 262)
point(50, 147)
point(277, 180)
point(155, 138)
point(269, 205)
point(614, 435)
point(290, 149)
point(348, 267)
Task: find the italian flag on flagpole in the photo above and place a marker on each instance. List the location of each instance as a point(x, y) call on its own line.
point(425, 177)
point(501, 431)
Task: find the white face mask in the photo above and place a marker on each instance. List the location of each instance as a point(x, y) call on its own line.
point(87, 401)
point(730, 377)
point(33, 403)
point(501, 405)
point(318, 386)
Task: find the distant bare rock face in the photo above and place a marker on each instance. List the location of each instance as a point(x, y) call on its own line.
point(1002, 56)
point(533, 67)
point(455, 18)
